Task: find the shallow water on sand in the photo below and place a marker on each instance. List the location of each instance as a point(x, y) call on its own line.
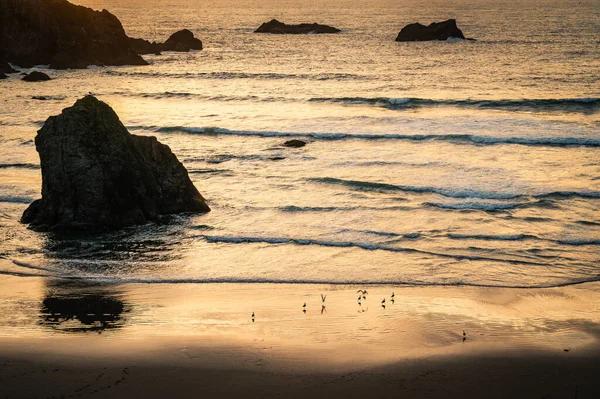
point(439, 163)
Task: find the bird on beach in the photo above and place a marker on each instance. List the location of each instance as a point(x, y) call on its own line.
point(363, 293)
point(252, 317)
point(304, 307)
point(383, 301)
point(464, 336)
point(393, 295)
point(323, 297)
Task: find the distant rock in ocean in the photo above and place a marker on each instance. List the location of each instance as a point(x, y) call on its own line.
point(274, 26)
point(294, 143)
point(62, 35)
point(36, 76)
point(182, 40)
point(97, 176)
point(435, 31)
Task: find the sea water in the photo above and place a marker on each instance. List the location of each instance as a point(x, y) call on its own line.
point(436, 163)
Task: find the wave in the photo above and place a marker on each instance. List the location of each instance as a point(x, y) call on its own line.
point(581, 241)
point(19, 165)
point(16, 199)
point(359, 245)
point(357, 282)
point(452, 138)
point(585, 104)
point(510, 237)
point(239, 75)
point(450, 193)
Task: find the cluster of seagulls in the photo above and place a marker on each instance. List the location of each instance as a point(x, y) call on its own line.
point(361, 297)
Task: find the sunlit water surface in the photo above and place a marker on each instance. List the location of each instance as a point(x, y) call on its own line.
point(435, 163)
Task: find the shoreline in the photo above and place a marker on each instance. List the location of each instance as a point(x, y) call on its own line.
point(174, 339)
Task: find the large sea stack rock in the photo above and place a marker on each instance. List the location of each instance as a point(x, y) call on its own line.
point(62, 35)
point(435, 31)
point(98, 176)
point(274, 26)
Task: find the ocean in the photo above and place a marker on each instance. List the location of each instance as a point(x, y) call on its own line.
point(428, 163)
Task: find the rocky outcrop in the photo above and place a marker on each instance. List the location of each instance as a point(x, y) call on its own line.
point(294, 143)
point(274, 26)
point(36, 76)
point(435, 31)
point(2, 75)
point(98, 176)
point(62, 35)
point(182, 40)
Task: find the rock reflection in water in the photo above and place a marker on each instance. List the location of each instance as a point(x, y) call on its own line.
point(82, 307)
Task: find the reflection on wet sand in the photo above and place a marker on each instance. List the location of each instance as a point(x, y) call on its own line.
point(82, 307)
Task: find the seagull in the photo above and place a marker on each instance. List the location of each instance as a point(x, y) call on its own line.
point(252, 314)
point(464, 333)
point(304, 307)
point(323, 297)
point(359, 303)
point(383, 302)
point(393, 295)
point(323, 309)
point(364, 292)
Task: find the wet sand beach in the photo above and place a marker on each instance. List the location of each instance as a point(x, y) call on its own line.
point(178, 340)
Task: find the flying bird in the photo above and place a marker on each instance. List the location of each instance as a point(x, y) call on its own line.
point(393, 295)
point(383, 301)
point(323, 297)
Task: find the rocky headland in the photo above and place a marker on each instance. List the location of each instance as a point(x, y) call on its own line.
point(97, 176)
point(62, 35)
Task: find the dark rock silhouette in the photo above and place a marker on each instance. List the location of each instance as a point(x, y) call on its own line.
point(274, 26)
point(97, 176)
point(142, 46)
point(295, 143)
point(62, 35)
point(182, 40)
point(2, 75)
point(435, 31)
point(36, 76)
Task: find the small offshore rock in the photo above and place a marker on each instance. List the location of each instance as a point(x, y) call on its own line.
point(276, 27)
point(435, 31)
point(181, 41)
point(184, 38)
point(36, 76)
point(295, 143)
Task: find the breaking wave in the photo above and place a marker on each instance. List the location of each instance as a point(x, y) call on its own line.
point(452, 138)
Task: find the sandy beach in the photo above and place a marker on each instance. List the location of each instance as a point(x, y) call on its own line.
point(181, 339)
